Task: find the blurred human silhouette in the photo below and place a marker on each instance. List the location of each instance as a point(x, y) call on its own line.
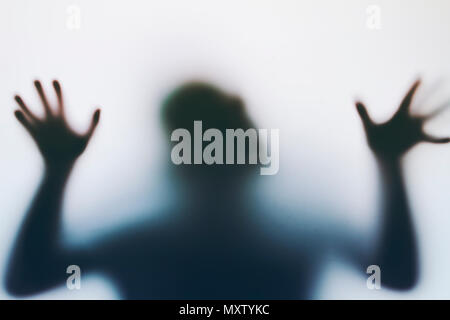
point(214, 247)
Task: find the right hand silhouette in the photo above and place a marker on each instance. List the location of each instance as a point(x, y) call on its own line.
point(57, 142)
point(397, 135)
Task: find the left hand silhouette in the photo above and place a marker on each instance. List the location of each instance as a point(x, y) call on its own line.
point(396, 136)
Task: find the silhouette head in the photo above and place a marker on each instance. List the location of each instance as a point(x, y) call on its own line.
point(197, 101)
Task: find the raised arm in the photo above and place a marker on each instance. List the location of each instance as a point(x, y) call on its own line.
point(38, 258)
point(396, 250)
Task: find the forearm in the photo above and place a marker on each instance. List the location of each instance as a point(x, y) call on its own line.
point(37, 251)
point(396, 252)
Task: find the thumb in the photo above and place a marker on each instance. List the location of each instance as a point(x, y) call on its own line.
point(94, 123)
point(362, 111)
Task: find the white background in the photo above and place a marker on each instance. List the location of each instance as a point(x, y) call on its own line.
point(298, 65)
